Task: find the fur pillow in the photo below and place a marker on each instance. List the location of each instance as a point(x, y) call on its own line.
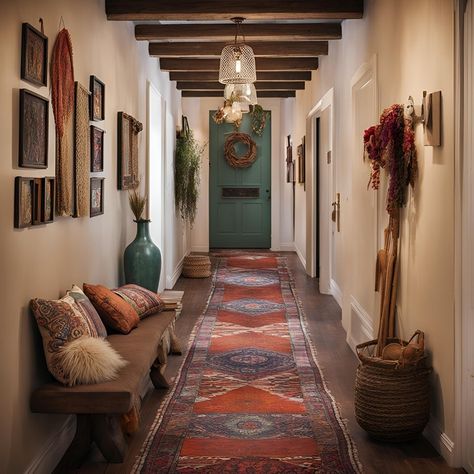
point(89, 360)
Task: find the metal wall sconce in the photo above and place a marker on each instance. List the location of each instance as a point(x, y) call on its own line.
point(430, 116)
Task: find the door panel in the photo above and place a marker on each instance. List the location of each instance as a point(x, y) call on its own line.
point(239, 198)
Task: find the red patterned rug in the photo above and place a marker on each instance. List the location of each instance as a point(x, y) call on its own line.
point(250, 397)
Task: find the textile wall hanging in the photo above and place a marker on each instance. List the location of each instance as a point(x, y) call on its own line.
point(81, 152)
point(240, 161)
point(127, 137)
point(62, 97)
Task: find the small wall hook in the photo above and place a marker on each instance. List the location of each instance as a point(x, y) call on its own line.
point(410, 110)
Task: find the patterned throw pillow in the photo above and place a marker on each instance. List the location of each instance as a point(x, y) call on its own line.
point(144, 301)
point(87, 308)
point(59, 322)
point(115, 312)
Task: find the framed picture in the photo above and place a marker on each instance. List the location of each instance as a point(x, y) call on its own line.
point(24, 202)
point(127, 150)
point(33, 140)
point(289, 161)
point(34, 55)
point(301, 162)
point(47, 199)
point(97, 196)
point(97, 149)
point(97, 99)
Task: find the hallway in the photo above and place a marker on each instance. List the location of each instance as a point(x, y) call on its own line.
point(336, 361)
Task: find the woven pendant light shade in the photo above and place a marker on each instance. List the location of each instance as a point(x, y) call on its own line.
point(237, 65)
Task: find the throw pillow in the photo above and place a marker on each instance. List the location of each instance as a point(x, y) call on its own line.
point(89, 360)
point(115, 312)
point(87, 308)
point(59, 322)
point(144, 301)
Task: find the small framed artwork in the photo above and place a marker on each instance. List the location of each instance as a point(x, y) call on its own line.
point(97, 149)
point(289, 161)
point(33, 140)
point(97, 99)
point(301, 162)
point(127, 150)
point(34, 55)
point(47, 199)
point(24, 202)
point(97, 196)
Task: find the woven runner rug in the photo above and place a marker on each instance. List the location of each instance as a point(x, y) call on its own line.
point(250, 397)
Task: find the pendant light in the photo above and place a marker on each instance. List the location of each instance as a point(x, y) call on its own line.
point(237, 64)
point(243, 94)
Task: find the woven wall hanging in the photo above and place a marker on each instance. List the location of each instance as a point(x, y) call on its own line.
point(240, 161)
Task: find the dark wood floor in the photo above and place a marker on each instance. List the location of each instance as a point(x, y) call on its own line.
point(337, 362)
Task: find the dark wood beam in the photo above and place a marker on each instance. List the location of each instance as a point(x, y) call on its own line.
point(136, 10)
point(258, 85)
point(261, 94)
point(203, 76)
point(253, 32)
point(263, 64)
point(266, 49)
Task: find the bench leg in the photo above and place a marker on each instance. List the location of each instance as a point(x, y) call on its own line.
point(157, 375)
point(175, 346)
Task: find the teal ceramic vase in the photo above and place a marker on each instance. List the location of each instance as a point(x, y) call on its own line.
point(142, 259)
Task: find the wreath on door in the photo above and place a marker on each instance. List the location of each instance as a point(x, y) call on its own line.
point(240, 161)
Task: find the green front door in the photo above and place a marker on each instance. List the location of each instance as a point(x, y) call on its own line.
point(239, 198)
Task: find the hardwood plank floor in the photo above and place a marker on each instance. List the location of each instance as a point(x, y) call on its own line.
point(337, 362)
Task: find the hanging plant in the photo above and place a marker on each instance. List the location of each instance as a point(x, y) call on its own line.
point(391, 145)
point(186, 172)
point(259, 118)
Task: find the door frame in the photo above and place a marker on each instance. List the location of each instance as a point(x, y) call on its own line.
point(325, 228)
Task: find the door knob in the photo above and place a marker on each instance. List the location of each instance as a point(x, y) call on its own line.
point(336, 211)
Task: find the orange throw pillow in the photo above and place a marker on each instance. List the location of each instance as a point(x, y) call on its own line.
point(115, 312)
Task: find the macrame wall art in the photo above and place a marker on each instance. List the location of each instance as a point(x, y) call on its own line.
point(390, 145)
point(81, 152)
point(62, 98)
point(231, 156)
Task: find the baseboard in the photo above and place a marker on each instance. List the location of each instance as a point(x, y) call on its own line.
point(171, 281)
point(54, 449)
point(300, 256)
point(440, 441)
point(200, 248)
point(287, 247)
point(361, 328)
point(336, 292)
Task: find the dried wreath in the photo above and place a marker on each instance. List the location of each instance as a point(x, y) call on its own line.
point(243, 161)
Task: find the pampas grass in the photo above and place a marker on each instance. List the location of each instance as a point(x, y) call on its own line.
point(137, 202)
point(89, 360)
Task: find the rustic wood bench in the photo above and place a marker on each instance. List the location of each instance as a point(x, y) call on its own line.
point(99, 407)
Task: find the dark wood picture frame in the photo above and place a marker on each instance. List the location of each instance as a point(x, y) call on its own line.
point(48, 199)
point(128, 129)
point(290, 175)
point(97, 149)
point(96, 196)
point(34, 129)
point(97, 99)
point(34, 55)
point(24, 202)
point(301, 162)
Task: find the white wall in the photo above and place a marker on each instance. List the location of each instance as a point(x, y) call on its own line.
point(45, 261)
point(197, 111)
point(414, 46)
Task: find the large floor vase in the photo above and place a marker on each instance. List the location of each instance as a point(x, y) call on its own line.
point(142, 259)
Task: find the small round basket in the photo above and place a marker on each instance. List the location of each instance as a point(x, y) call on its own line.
point(196, 266)
point(392, 401)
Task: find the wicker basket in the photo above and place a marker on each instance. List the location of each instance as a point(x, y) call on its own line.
point(196, 266)
point(392, 402)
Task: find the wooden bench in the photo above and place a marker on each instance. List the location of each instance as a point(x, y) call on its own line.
point(99, 407)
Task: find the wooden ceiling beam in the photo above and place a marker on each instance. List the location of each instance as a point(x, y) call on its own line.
point(261, 94)
point(136, 10)
point(258, 85)
point(265, 49)
point(252, 32)
point(203, 76)
point(263, 64)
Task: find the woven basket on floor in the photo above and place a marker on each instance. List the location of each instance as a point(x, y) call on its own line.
point(196, 266)
point(392, 403)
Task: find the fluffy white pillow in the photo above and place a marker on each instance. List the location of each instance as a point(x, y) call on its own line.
point(89, 360)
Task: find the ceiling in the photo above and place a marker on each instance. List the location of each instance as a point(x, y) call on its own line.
point(287, 37)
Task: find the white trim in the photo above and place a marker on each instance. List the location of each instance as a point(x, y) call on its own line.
point(364, 322)
point(300, 255)
point(200, 248)
point(440, 440)
point(287, 246)
point(336, 292)
point(54, 449)
point(171, 280)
